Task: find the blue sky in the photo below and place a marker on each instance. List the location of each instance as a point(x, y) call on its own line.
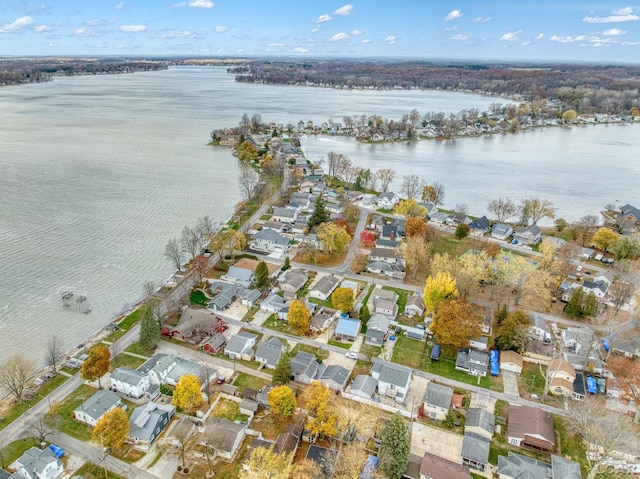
point(569, 30)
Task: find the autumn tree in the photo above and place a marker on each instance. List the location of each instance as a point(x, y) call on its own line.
point(462, 231)
point(433, 193)
point(187, 395)
point(385, 176)
point(395, 447)
point(627, 247)
point(502, 209)
point(335, 240)
point(298, 315)
point(627, 372)
point(15, 373)
point(282, 372)
point(111, 429)
point(307, 469)
point(416, 226)
point(604, 239)
point(512, 331)
point(367, 239)
point(265, 463)
point(320, 214)
point(246, 151)
point(456, 323)
point(410, 207)
point(437, 289)
point(262, 274)
point(343, 299)
point(569, 116)
point(534, 209)
point(227, 241)
point(282, 400)
point(53, 353)
point(323, 417)
point(97, 364)
point(352, 459)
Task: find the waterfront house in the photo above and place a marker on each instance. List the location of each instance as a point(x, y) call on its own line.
point(147, 423)
point(628, 220)
point(269, 351)
point(393, 379)
point(304, 367)
point(530, 427)
point(481, 225)
point(501, 231)
point(239, 276)
point(388, 200)
point(129, 382)
point(270, 241)
point(437, 401)
point(438, 217)
point(103, 401)
point(528, 235)
point(324, 287)
point(240, 346)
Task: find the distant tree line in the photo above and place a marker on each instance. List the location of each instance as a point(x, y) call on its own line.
point(584, 88)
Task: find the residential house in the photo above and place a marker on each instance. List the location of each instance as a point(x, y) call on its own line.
point(386, 294)
point(303, 200)
point(393, 379)
point(387, 243)
point(321, 321)
point(388, 200)
point(37, 463)
point(628, 220)
point(438, 217)
point(225, 437)
point(389, 232)
point(579, 390)
point(418, 333)
point(333, 376)
point(511, 361)
point(474, 362)
point(480, 422)
point(599, 286)
point(434, 467)
point(274, 303)
point(284, 215)
point(414, 306)
point(215, 344)
point(539, 329)
point(304, 367)
point(528, 235)
point(562, 375)
point(270, 241)
point(147, 423)
point(481, 343)
point(249, 406)
point(324, 287)
point(530, 427)
point(475, 451)
point(459, 219)
point(239, 276)
point(240, 346)
point(129, 382)
point(386, 269)
point(377, 329)
point(517, 466)
point(385, 255)
point(292, 281)
point(196, 323)
point(227, 293)
point(352, 285)
point(273, 226)
point(347, 328)
point(481, 225)
point(363, 386)
point(103, 401)
point(385, 307)
point(401, 226)
point(269, 351)
point(335, 208)
point(437, 401)
point(283, 314)
point(501, 231)
point(486, 325)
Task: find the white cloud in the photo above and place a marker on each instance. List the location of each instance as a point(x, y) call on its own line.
point(272, 45)
point(120, 6)
point(300, 50)
point(84, 32)
point(356, 32)
point(459, 37)
point(323, 18)
point(614, 32)
point(453, 14)
point(453, 28)
point(222, 28)
point(481, 19)
point(181, 34)
point(630, 44)
point(315, 30)
point(526, 44)
point(390, 39)
point(344, 10)
point(366, 40)
point(510, 36)
point(568, 39)
point(133, 28)
point(621, 15)
point(194, 4)
point(179, 5)
point(338, 36)
point(17, 25)
point(42, 28)
point(98, 22)
point(540, 36)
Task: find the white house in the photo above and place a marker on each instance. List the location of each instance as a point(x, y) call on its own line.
point(269, 240)
point(393, 380)
point(539, 329)
point(90, 411)
point(501, 231)
point(37, 464)
point(414, 306)
point(437, 401)
point(388, 200)
point(324, 287)
point(129, 382)
point(240, 344)
point(528, 235)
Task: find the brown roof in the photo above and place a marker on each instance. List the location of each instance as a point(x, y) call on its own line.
point(251, 264)
point(511, 357)
point(525, 422)
point(560, 382)
point(413, 468)
point(560, 364)
point(438, 468)
point(456, 400)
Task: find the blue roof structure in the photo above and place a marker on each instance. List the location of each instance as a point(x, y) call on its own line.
point(347, 327)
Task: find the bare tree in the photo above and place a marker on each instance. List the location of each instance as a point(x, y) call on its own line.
point(53, 353)
point(207, 227)
point(586, 226)
point(42, 429)
point(173, 253)
point(15, 374)
point(385, 176)
point(149, 289)
point(247, 180)
point(502, 209)
point(411, 186)
point(350, 173)
point(256, 121)
point(462, 208)
point(438, 193)
point(534, 209)
point(621, 291)
point(333, 159)
point(191, 240)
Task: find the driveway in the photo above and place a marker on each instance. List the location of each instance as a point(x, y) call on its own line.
point(510, 383)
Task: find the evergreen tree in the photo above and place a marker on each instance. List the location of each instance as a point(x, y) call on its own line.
point(574, 306)
point(282, 373)
point(502, 315)
point(287, 264)
point(262, 274)
point(395, 448)
point(357, 185)
point(149, 329)
point(590, 305)
point(365, 314)
point(320, 214)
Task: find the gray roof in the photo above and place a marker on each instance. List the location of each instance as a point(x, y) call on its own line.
point(365, 384)
point(564, 468)
point(271, 237)
point(501, 229)
point(475, 448)
point(223, 433)
point(438, 395)
point(480, 417)
point(478, 360)
point(392, 373)
point(270, 350)
point(335, 373)
point(523, 467)
point(238, 342)
point(539, 322)
point(127, 375)
point(284, 212)
point(379, 322)
point(216, 341)
point(145, 420)
point(241, 274)
point(304, 363)
point(296, 278)
point(99, 403)
point(326, 284)
point(34, 461)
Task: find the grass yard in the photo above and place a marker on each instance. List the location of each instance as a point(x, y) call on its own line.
point(320, 302)
point(125, 325)
point(276, 324)
point(402, 297)
point(317, 352)
point(531, 381)
point(68, 426)
point(245, 380)
point(340, 344)
point(229, 410)
point(570, 444)
point(270, 424)
point(91, 471)
point(135, 348)
point(15, 449)
point(126, 360)
point(409, 352)
point(450, 245)
point(18, 409)
point(199, 297)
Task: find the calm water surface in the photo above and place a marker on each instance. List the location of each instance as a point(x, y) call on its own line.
point(97, 173)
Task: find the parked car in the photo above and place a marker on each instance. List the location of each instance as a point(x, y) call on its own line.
point(352, 355)
point(221, 380)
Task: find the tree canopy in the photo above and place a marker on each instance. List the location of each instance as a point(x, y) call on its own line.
point(266, 463)
point(438, 288)
point(604, 239)
point(111, 429)
point(343, 299)
point(456, 323)
point(282, 400)
point(512, 330)
point(187, 395)
point(335, 240)
point(410, 207)
point(97, 364)
point(262, 274)
point(395, 448)
point(320, 214)
point(323, 418)
point(298, 316)
point(149, 328)
point(282, 373)
point(15, 373)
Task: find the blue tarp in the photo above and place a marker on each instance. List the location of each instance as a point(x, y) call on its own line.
point(369, 468)
point(435, 352)
point(56, 450)
point(494, 355)
point(495, 368)
point(592, 386)
point(605, 344)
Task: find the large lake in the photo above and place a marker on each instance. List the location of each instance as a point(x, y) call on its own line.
point(97, 173)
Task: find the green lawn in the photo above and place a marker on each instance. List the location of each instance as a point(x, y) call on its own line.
point(199, 297)
point(15, 449)
point(135, 348)
point(531, 380)
point(275, 324)
point(318, 352)
point(126, 360)
point(447, 244)
point(229, 410)
point(68, 426)
point(320, 302)
point(91, 471)
point(402, 297)
point(18, 409)
point(244, 381)
point(125, 325)
point(571, 444)
point(409, 352)
point(340, 344)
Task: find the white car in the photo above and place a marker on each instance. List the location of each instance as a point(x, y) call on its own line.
point(352, 355)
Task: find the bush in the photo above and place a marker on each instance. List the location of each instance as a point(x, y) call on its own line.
point(462, 231)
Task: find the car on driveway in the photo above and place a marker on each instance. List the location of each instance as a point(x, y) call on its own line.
point(352, 355)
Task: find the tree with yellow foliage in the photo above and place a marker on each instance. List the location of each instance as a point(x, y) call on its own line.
point(604, 239)
point(282, 400)
point(437, 289)
point(410, 207)
point(335, 240)
point(456, 323)
point(298, 315)
point(187, 395)
point(97, 364)
point(111, 429)
point(265, 463)
point(323, 419)
point(342, 299)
